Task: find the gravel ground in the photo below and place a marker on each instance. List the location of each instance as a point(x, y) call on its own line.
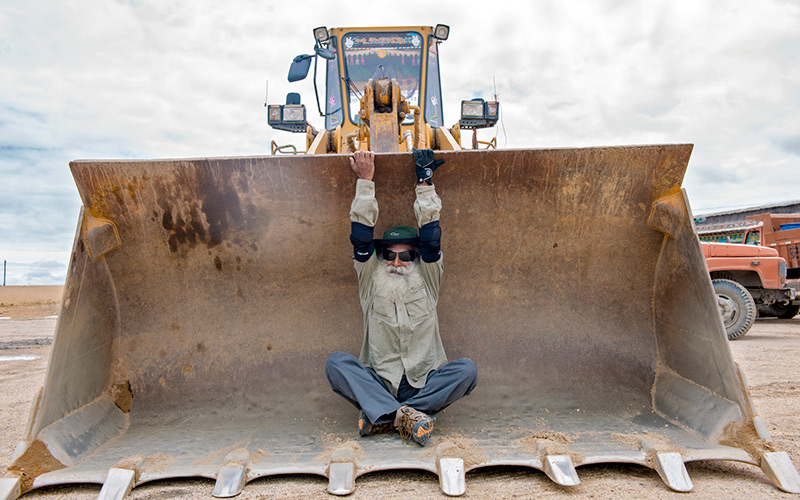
point(768, 354)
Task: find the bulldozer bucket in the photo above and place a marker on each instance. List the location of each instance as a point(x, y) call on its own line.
point(204, 296)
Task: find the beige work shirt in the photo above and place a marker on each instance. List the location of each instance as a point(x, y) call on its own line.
point(399, 337)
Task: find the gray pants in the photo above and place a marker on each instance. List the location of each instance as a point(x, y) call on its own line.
point(367, 391)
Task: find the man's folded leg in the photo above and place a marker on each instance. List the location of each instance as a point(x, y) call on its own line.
point(445, 386)
point(362, 386)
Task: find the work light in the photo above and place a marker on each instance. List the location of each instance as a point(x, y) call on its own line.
point(492, 109)
point(321, 33)
point(294, 113)
point(472, 109)
point(441, 32)
point(477, 113)
point(287, 117)
point(274, 114)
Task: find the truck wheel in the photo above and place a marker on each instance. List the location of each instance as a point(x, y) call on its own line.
point(736, 306)
point(784, 310)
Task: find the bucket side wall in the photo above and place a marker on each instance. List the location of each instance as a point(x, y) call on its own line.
point(691, 337)
point(81, 360)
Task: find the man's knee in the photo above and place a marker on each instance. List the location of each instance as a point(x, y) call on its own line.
point(335, 362)
point(469, 374)
point(467, 368)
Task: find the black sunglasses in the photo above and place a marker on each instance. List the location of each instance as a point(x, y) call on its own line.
point(405, 255)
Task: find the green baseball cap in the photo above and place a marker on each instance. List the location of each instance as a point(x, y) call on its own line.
point(398, 234)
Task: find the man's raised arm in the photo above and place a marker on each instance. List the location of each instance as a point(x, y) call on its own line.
point(427, 206)
point(364, 209)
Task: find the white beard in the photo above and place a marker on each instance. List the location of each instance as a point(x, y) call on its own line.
point(397, 283)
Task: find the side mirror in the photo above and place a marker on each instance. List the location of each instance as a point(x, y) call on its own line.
point(325, 53)
point(299, 68)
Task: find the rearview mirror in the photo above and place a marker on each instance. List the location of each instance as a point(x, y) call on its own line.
point(299, 68)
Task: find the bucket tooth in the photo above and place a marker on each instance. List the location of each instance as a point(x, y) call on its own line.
point(342, 472)
point(118, 484)
point(673, 471)
point(230, 481)
point(10, 488)
point(232, 475)
point(451, 476)
point(342, 478)
point(761, 429)
point(559, 468)
point(779, 469)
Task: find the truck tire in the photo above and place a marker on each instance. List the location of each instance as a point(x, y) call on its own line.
point(736, 306)
point(784, 310)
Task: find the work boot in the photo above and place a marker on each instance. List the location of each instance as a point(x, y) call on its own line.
point(367, 428)
point(413, 424)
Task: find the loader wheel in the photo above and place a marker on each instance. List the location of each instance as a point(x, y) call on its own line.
point(736, 306)
point(784, 310)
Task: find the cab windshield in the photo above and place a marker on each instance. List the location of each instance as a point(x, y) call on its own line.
point(377, 55)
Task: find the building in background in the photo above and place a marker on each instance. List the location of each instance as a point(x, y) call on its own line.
point(731, 226)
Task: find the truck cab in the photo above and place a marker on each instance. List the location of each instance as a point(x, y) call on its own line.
point(778, 232)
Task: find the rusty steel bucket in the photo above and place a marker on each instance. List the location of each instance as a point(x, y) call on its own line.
point(204, 296)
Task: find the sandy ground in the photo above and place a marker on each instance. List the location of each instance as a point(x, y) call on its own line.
point(769, 355)
point(29, 301)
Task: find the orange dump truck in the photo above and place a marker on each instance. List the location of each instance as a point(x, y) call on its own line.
point(779, 232)
point(745, 278)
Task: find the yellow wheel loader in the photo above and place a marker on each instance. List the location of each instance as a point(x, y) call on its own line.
point(204, 296)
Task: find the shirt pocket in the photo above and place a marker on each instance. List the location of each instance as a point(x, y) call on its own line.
point(418, 305)
point(384, 308)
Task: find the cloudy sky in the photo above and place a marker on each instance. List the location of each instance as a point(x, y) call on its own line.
point(155, 78)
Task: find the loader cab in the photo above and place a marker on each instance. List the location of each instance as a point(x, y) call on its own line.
point(353, 56)
point(407, 55)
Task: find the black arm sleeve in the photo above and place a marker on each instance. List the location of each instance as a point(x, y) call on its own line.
point(430, 240)
point(361, 238)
